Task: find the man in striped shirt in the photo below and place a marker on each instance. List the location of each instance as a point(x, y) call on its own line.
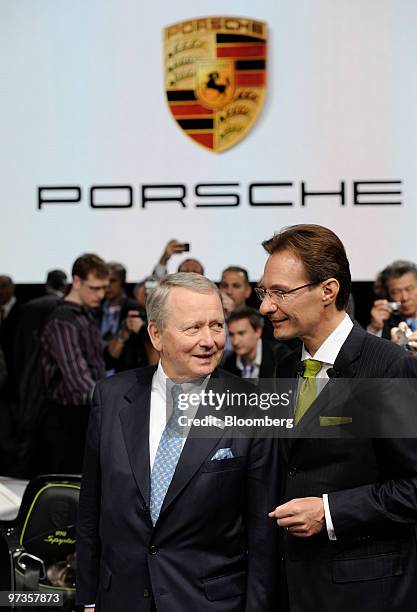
point(72, 363)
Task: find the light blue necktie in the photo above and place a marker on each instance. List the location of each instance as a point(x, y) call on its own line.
point(167, 455)
point(412, 324)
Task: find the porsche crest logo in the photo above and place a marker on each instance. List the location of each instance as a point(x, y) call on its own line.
point(215, 77)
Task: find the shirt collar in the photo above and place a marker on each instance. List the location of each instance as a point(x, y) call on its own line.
point(330, 348)
point(161, 381)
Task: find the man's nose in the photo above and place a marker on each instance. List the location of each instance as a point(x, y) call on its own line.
point(207, 337)
point(267, 305)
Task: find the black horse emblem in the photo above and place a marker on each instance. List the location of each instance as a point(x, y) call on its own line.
point(212, 83)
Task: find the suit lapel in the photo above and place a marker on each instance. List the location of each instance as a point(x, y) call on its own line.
point(347, 360)
point(134, 418)
point(345, 366)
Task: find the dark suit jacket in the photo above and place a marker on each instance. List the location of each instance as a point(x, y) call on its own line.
point(267, 369)
point(213, 546)
point(32, 319)
point(371, 486)
point(7, 340)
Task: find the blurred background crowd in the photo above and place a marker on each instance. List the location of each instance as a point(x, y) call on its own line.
point(55, 347)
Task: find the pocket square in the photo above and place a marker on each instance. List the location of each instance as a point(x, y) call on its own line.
point(325, 421)
point(222, 453)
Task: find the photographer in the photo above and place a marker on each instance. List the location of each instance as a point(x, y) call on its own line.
point(130, 346)
point(400, 282)
point(121, 325)
point(130, 326)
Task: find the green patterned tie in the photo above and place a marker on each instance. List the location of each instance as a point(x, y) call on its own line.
point(307, 390)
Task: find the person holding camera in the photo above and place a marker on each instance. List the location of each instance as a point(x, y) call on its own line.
point(174, 247)
point(121, 325)
point(400, 282)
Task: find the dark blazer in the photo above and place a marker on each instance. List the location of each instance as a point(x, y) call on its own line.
point(213, 546)
point(371, 486)
point(272, 353)
point(32, 319)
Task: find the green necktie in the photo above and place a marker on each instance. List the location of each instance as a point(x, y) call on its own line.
point(307, 390)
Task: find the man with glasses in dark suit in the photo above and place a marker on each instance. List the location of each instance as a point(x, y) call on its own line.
point(348, 502)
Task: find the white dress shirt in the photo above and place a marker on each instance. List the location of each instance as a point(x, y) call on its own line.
point(327, 354)
point(160, 403)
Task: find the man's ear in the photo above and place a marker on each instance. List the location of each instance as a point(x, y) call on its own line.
point(331, 288)
point(258, 331)
point(248, 292)
point(76, 282)
point(155, 336)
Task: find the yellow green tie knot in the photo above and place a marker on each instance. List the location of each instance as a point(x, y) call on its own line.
point(307, 390)
point(311, 368)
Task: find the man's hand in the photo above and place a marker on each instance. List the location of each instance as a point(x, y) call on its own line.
point(301, 517)
point(379, 313)
point(172, 247)
point(412, 343)
point(397, 335)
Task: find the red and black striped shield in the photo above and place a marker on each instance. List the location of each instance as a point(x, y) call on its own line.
point(215, 77)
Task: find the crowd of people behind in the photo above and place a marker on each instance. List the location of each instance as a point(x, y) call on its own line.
point(54, 349)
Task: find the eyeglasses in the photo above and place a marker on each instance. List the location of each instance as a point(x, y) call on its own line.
point(278, 295)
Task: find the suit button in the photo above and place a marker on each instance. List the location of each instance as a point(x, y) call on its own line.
point(146, 593)
point(292, 472)
point(153, 550)
point(144, 508)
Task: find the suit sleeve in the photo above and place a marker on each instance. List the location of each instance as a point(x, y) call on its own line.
point(261, 498)
point(392, 500)
point(88, 539)
point(362, 510)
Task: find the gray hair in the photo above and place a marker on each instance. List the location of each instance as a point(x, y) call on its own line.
point(156, 302)
point(397, 269)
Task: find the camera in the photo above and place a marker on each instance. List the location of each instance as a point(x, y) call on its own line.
point(403, 336)
point(394, 307)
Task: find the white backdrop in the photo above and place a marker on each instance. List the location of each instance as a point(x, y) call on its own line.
point(83, 104)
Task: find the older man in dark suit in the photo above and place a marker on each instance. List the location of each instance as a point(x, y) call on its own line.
point(348, 502)
point(175, 523)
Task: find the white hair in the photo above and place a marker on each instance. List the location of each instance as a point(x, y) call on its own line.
point(156, 302)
